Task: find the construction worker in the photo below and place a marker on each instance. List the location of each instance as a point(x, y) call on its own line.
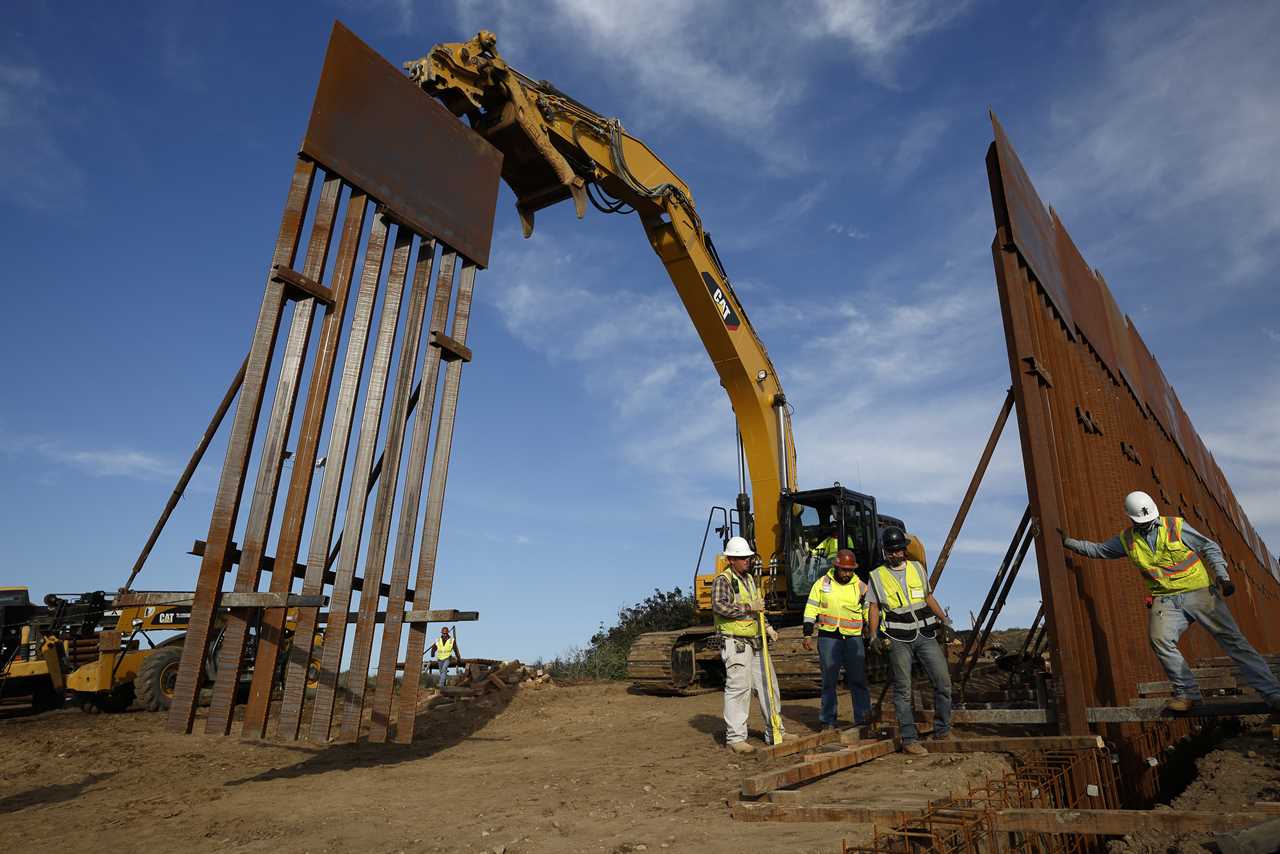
point(1171, 555)
point(905, 619)
point(736, 604)
point(443, 650)
point(828, 547)
point(837, 609)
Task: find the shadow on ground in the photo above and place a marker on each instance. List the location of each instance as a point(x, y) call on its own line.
point(435, 729)
point(53, 794)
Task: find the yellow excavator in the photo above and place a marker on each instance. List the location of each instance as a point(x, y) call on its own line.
point(54, 653)
point(555, 148)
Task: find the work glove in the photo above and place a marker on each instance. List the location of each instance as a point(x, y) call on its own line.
point(771, 632)
point(882, 645)
point(1228, 587)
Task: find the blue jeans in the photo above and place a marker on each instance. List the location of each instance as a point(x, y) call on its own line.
point(836, 651)
point(929, 653)
point(1170, 617)
point(444, 672)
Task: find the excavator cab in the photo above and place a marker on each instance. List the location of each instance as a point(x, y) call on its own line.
point(818, 522)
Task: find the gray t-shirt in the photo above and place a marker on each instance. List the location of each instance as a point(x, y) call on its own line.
point(875, 594)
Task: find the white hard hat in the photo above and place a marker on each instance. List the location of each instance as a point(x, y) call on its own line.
point(738, 547)
point(1140, 507)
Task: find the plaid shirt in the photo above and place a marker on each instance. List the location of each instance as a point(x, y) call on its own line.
point(724, 599)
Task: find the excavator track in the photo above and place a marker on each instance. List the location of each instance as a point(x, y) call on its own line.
point(686, 662)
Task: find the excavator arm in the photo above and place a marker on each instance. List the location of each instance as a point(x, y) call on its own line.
point(555, 148)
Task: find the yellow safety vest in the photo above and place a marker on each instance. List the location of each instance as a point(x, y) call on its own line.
point(829, 546)
point(900, 599)
point(1171, 567)
point(444, 649)
point(747, 627)
point(835, 606)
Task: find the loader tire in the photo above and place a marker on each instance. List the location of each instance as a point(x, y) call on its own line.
point(157, 676)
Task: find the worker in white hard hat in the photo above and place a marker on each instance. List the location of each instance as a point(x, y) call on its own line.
point(736, 604)
point(1171, 555)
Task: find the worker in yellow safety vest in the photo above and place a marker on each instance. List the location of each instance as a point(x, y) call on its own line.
point(1171, 556)
point(736, 605)
point(905, 620)
point(836, 612)
point(444, 650)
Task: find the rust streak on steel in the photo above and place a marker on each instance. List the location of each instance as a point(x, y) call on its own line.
point(384, 505)
point(406, 530)
point(974, 482)
point(271, 629)
point(183, 479)
point(240, 444)
point(326, 511)
point(408, 708)
point(270, 470)
point(366, 446)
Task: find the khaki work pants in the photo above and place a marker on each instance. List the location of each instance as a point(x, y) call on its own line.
point(744, 675)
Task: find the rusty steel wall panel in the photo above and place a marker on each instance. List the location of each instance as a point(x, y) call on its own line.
point(382, 133)
point(1098, 419)
point(406, 156)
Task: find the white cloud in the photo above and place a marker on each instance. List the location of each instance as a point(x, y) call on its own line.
point(738, 68)
point(877, 31)
point(36, 172)
point(847, 230)
point(918, 142)
point(97, 462)
point(1179, 128)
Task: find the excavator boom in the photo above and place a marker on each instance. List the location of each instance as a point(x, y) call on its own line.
point(555, 148)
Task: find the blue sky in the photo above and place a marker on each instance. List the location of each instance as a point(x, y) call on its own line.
point(835, 151)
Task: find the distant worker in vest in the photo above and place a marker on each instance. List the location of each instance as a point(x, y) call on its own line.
point(1171, 555)
point(444, 650)
point(828, 546)
point(837, 610)
point(904, 619)
point(736, 604)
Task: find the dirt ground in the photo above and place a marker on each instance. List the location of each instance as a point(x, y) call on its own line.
point(1232, 778)
point(586, 768)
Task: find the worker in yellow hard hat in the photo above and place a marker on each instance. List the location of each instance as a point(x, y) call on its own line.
point(836, 613)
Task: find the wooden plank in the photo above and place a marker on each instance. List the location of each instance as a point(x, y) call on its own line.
point(1139, 714)
point(384, 505)
point(792, 775)
point(804, 742)
point(326, 512)
point(407, 711)
point(271, 627)
point(353, 521)
point(226, 504)
point(1001, 716)
point(1211, 683)
point(441, 616)
point(807, 813)
point(1014, 745)
point(228, 600)
point(406, 529)
point(1122, 822)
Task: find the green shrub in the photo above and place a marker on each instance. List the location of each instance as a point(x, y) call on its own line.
point(605, 656)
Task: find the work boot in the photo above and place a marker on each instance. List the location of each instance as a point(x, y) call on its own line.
point(1180, 704)
point(741, 747)
point(915, 748)
point(943, 736)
